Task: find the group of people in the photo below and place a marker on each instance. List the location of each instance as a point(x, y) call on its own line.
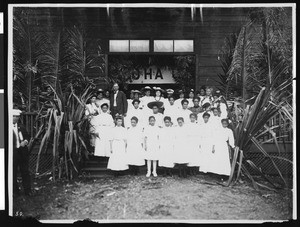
point(190, 132)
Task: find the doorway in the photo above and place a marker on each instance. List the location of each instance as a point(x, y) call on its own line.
point(168, 71)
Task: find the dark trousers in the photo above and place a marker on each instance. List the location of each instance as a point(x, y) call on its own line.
point(21, 162)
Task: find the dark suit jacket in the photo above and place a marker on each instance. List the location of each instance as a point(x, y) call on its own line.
point(121, 100)
point(23, 150)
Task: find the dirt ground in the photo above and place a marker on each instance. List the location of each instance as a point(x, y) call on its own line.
point(137, 197)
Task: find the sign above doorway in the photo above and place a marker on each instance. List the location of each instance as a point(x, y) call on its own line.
point(153, 75)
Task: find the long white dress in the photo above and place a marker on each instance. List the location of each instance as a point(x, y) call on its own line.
point(104, 124)
point(181, 155)
point(171, 111)
point(151, 133)
point(166, 150)
point(117, 160)
point(193, 144)
point(206, 132)
point(220, 160)
point(134, 151)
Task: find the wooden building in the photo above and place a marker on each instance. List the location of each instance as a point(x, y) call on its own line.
point(157, 33)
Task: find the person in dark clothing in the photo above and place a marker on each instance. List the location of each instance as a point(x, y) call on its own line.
point(118, 102)
point(20, 155)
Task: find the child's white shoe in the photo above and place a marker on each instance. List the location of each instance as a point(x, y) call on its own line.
point(148, 174)
point(154, 174)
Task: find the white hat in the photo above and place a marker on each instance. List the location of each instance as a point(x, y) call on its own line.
point(170, 91)
point(158, 89)
point(16, 112)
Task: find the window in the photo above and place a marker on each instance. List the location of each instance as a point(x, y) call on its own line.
point(183, 45)
point(129, 45)
point(139, 45)
point(163, 45)
point(119, 45)
point(173, 45)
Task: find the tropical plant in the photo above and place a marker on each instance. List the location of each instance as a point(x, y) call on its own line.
point(68, 125)
point(184, 69)
point(263, 72)
point(225, 57)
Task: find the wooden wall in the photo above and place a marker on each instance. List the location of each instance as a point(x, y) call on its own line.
point(208, 28)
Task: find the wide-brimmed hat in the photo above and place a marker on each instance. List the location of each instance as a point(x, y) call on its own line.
point(206, 105)
point(155, 103)
point(170, 91)
point(180, 91)
point(16, 112)
point(136, 91)
point(158, 89)
point(146, 88)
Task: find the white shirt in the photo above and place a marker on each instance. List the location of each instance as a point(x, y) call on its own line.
point(185, 113)
point(15, 128)
point(115, 98)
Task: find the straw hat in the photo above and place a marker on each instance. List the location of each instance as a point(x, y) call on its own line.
point(158, 89)
point(136, 91)
point(170, 91)
point(147, 88)
point(155, 103)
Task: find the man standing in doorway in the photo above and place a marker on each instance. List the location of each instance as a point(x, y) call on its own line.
point(118, 102)
point(20, 155)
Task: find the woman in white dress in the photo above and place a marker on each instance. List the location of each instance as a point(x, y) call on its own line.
point(146, 99)
point(103, 126)
point(151, 145)
point(184, 112)
point(191, 98)
point(220, 160)
point(206, 132)
point(215, 118)
point(208, 96)
point(91, 111)
point(166, 149)
point(118, 142)
point(158, 97)
point(134, 150)
point(159, 117)
point(181, 157)
point(193, 144)
point(135, 112)
point(181, 97)
point(171, 110)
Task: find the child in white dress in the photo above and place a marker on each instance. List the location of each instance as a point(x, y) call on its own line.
point(103, 126)
point(206, 142)
point(220, 161)
point(181, 157)
point(134, 150)
point(151, 145)
point(193, 144)
point(166, 149)
point(118, 142)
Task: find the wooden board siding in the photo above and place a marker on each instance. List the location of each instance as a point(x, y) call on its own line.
point(154, 23)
